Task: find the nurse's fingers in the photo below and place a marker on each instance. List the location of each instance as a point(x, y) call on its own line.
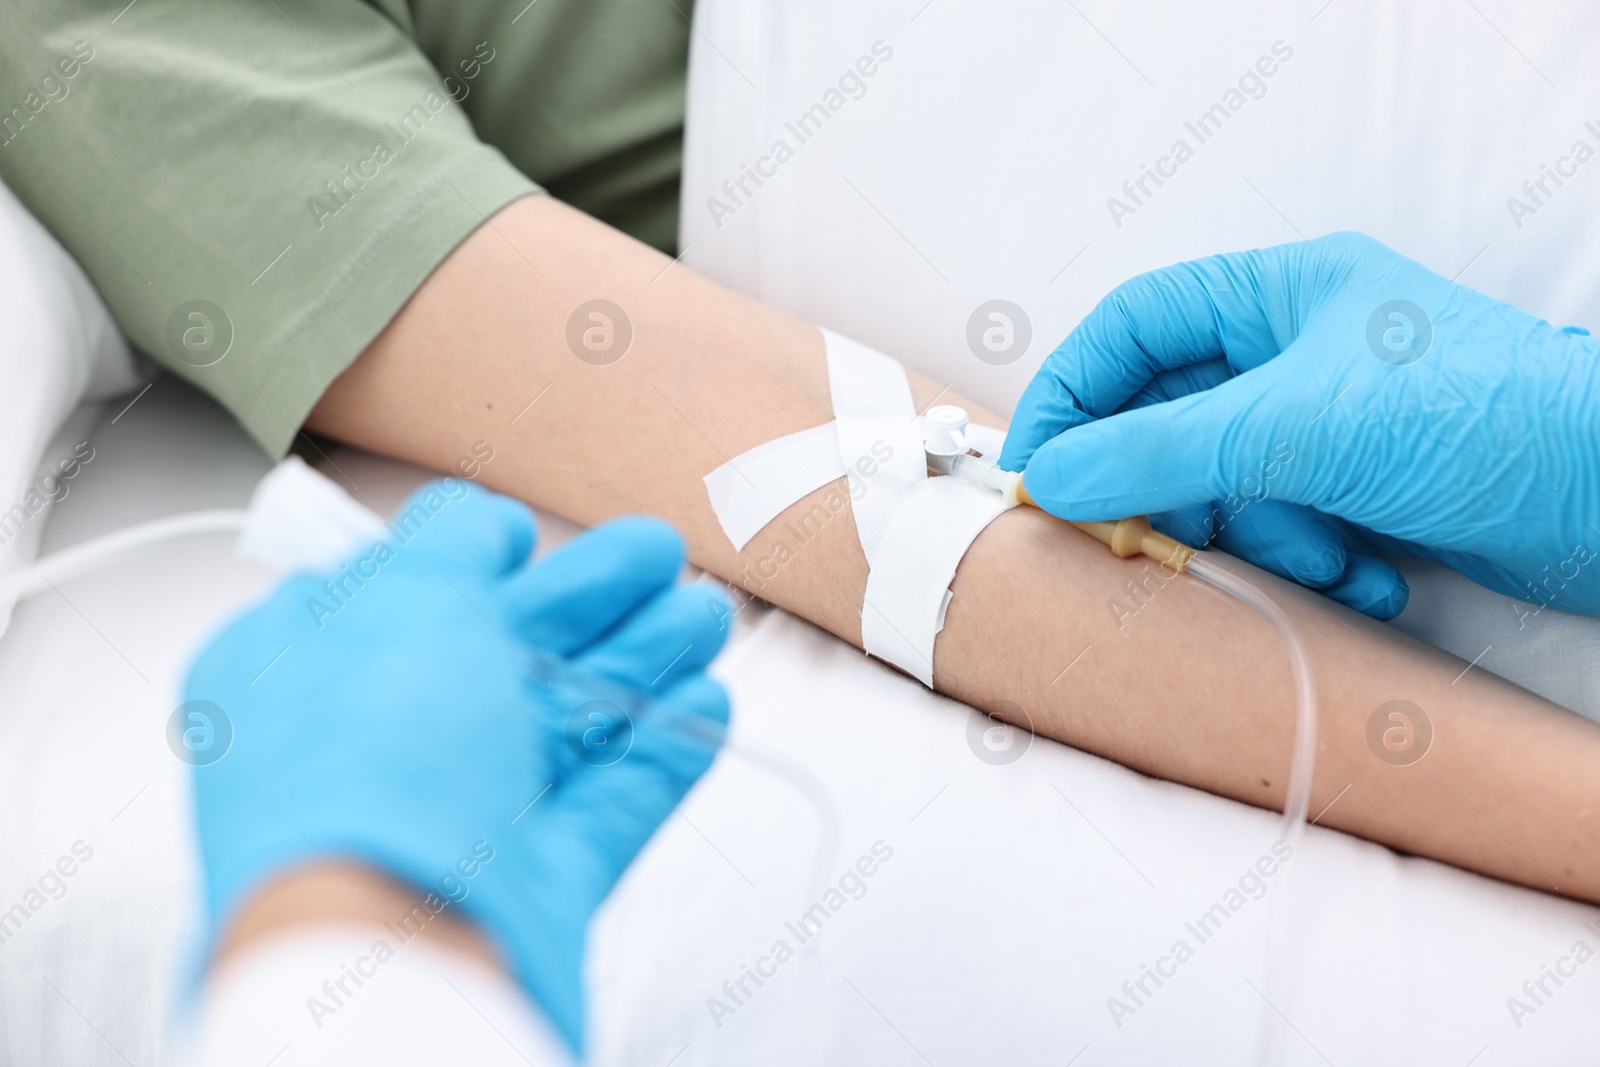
point(673, 636)
point(1219, 307)
point(610, 803)
point(589, 585)
point(1290, 541)
point(459, 528)
point(1371, 586)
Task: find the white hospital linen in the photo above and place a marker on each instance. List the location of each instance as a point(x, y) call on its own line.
point(291, 1001)
point(58, 346)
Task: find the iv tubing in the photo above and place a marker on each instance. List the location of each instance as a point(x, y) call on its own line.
point(1298, 797)
point(1132, 537)
point(99, 552)
point(1204, 565)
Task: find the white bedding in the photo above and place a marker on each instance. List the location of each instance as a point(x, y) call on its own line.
point(58, 347)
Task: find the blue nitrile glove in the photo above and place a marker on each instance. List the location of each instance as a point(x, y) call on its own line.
point(398, 713)
point(1317, 402)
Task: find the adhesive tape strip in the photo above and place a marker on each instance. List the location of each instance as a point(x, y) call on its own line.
point(986, 441)
point(908, 585)
point(880, 440)
point(754, 487)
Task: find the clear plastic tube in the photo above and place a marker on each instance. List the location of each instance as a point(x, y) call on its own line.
point(1296, 800)
point(987, 475)
point(100, 552)
point(976, 471)
point(1298, 797)
point(297, 519)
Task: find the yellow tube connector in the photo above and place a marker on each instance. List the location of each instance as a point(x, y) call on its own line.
point(944, 440)
point(1130, 537)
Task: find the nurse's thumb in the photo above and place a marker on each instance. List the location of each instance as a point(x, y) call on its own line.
point(1151, 459)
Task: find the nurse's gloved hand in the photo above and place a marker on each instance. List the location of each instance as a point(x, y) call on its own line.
point(1315, 403)
point(501, 735)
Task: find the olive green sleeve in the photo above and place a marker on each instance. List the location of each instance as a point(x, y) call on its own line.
point(254, 186)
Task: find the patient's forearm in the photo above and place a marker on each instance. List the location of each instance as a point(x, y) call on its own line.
point(1193, 688)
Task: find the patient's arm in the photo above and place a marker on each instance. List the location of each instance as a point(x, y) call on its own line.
point(1194, 688)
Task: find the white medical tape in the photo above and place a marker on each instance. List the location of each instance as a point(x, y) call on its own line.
point(880, 440)
point(986, 441)
point(754, 487)
point(908, 587)
point(914, 530)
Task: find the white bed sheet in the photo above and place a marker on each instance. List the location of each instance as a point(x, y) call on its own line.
point(59, 347)
point(1018, 898)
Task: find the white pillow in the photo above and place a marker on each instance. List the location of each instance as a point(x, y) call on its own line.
point(58, 348)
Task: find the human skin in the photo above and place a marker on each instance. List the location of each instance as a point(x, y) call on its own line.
point(1194, 687)
point(348, 893)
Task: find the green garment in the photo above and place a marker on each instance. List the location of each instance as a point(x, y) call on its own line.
point(257, 186)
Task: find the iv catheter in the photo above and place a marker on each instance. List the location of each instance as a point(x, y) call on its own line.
point(945, 439)
point(944, 430)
